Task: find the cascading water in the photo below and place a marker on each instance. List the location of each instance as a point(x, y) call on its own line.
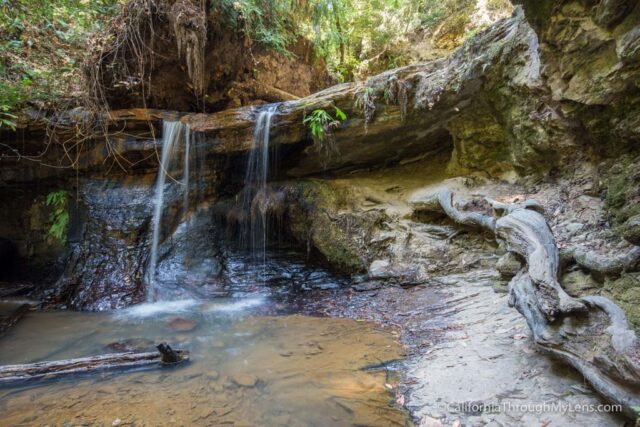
point(185, 179)
point(257, 173)
point(172, 131)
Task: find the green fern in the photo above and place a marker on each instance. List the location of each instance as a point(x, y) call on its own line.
point(320, 122)
point(59, 216)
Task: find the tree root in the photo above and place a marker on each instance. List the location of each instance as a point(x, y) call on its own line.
point(605, 265)
point(442, 202)
point(590, 333)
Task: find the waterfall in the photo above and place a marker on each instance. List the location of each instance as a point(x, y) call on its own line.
point(171, 133)
point(255, 184)
point(185, 179)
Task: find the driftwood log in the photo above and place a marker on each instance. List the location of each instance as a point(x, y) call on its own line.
point(14, 317)
point(589, 333)
point(164, 355)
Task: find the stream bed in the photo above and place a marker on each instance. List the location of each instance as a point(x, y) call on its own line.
point(246, 368)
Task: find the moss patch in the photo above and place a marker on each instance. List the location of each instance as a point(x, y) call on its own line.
point(622, 198)
point(625, 292)
point(319, 217)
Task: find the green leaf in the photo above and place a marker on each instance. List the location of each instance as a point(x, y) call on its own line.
point(340, 114)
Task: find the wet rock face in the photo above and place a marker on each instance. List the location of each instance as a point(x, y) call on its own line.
point(106, 268)
point(108, 263)
point(190, 258)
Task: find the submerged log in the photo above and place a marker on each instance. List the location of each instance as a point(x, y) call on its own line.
point(164, 355)
point(14, 317)
point(589, 333)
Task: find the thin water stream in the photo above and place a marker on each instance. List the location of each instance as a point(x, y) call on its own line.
point(256, 177)
point(171, 134)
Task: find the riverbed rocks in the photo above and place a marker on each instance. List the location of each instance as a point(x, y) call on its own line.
point(180, 324)
point(631, 230)
point(245, 380)
point(131, 344)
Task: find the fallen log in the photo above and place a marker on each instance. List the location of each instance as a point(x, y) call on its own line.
point(164, 356)
point(8, 321)
point(589, 333)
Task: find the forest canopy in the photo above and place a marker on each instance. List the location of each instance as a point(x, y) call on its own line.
point(43, 42)
point(347, 33)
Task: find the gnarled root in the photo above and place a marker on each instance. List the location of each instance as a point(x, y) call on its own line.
point(605, 265)
point(590, 333)
point(526, 233)
point(598, 343)
point(442, 202)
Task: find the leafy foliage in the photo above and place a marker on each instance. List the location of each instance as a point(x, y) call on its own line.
point(6, 118)
point(320, 122)
point(41, 45)
point(42, 42)
point(346, 33)
point(59, 215)
point(269, 22)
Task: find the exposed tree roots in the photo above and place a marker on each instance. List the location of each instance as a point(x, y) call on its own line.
point(190, 28)
point(605, 265)
point(589, 333)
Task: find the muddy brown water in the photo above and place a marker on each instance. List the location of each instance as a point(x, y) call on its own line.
point(246, 369)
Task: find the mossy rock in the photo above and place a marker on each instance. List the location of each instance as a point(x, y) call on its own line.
point(316, 217)
point(625, 292)
point(630, 231)
point(578, 283)
point(622, 198)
